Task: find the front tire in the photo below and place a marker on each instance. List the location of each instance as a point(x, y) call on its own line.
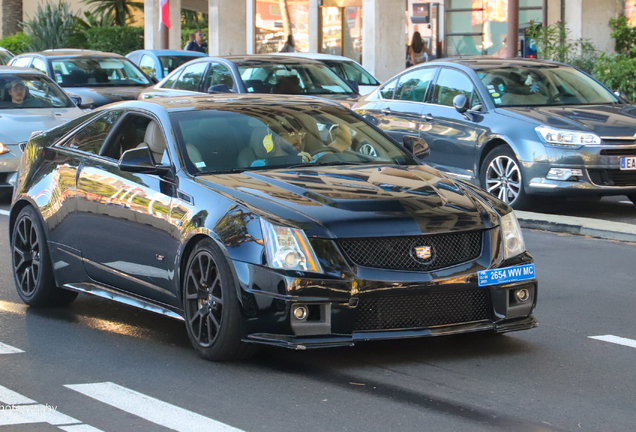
point(32, 270)
point(211, 307)
point(500, 175)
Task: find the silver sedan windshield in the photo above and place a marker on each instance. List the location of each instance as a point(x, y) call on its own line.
point(24, 90)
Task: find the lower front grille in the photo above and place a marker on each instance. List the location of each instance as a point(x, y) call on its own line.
point(423, 310)
point(612, 177)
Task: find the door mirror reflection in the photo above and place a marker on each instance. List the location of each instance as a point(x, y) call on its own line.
point(139, 160)
point(416, 145)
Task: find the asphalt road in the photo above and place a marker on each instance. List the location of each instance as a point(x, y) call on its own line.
point(553, 378)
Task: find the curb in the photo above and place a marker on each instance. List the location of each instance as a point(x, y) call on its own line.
point(578, 226)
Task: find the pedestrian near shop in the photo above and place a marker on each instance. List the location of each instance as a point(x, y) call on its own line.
point(190, 39)
point(418, 52)
point(289, 46)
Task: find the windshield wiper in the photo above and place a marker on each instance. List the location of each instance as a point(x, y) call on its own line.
point(226, 171)
point(334, 163)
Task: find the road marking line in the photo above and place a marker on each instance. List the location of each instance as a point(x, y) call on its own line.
point(616, 340)
point(8, 349)
point(9, 397)
point(626, 202)
point(4, 212)
point(151, 409)
point(80, 428)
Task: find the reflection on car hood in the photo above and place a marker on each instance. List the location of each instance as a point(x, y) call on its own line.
point(99, 96)
point(16, 125)
point(358, 201)
point(604, 120)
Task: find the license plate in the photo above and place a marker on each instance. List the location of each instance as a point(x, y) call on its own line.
point(628, 163)
point(506, 275)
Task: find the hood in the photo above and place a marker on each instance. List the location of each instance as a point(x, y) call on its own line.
point(93, 97)
point(348, 100)
point(358, 201)
point(603, 120)
point(16, 125)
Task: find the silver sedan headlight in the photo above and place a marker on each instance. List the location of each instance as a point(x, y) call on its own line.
point(512, 237)
point(288, 248)
point(4, 149)
point(566, 138)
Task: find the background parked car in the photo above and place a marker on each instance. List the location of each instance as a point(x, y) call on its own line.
point(98, 78)
point(159, 63)
point(5, 56)
point(254, 74)
point(519, 128)
point(29, 102)
point(348, 69)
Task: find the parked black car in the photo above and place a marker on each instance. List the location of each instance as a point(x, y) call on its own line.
point(235, 216)
point(255, 74)
point(519, 128)
point(94, 78)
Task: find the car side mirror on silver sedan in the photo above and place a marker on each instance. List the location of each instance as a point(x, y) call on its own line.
point(139, 160)
point(461, 103)
point(416, 145)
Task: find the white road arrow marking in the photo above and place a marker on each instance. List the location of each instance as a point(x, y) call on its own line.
point(8, 349)
point(151, 409)
point(616, 340)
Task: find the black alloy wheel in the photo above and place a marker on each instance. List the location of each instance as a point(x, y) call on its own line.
point(501, 176)
point(32, 270)
point(211, 307)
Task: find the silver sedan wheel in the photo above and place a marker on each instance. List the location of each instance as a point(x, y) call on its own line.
point(503, 179)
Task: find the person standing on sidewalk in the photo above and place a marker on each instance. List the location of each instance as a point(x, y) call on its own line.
point(418, 50)
point(289, 45)
point(197, 44)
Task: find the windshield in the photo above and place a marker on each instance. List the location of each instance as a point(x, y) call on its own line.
point(5, 57)
point(292, 79)
point(542, 85)
point(253, 138)
point(170, 63)
point(25, 90)
point(97, 72)
point(352, 71)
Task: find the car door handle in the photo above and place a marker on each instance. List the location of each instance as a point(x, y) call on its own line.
point(386, 111)
point(427, 117)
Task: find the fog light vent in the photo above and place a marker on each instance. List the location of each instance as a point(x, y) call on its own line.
point(522, 295)
point(300, 312)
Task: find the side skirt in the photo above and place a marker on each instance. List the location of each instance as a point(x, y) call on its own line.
point(121, 297)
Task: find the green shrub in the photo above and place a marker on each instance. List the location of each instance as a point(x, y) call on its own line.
point(17, 44)
point(50, 27)
point(624, 36)
point(121, 40)
point(553, 44)
point(618, 72)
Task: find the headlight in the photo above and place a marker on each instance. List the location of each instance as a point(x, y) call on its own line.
point(512, 237)
point(288, 249)
point(566, 138)
point(4, 149)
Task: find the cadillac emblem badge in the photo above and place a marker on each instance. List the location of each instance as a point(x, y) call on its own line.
point(423, 252)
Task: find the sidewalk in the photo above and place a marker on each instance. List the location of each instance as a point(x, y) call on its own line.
point(578, 225)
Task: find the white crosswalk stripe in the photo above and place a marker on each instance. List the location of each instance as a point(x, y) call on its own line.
point(8, 349)
point(151, 409)
point(16, 409)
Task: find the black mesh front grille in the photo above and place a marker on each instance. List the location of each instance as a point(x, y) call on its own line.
point(423, 310)
point(612, 177)
point(618, 152)
point(398, 253)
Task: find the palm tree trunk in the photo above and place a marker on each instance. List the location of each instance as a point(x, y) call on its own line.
point(286, 21)
point(11, 17)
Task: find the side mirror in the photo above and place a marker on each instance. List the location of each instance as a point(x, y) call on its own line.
point(354, 86)
point(460, 102)
point(416, 145)
point(139, 160)
point(76, 100)
point(154, 80)
point(619, 94)
point(219, 88)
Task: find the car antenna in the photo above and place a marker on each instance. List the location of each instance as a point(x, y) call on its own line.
point(457, 49)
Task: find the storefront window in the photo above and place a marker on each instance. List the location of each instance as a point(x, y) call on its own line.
point(342, 31)
point(480, 26)
point(271, 23)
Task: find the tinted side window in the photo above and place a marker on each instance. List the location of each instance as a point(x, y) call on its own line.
point(191, 77)
point(450, 84)
point(39, 65)
point(413, 85)
point(147, 65)
point(218, 74)
point(388, 89)
point(169, 83)
point(91, 138)
point(22, 62)
point(57, 133)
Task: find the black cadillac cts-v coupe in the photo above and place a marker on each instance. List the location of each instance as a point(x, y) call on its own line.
point(277, 220)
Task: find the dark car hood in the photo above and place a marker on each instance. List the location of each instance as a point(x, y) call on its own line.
point(93, 97)
point(358, 201)
point(603, 120)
